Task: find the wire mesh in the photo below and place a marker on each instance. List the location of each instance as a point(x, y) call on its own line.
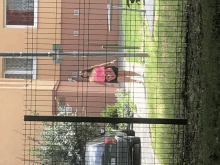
point(81, 85)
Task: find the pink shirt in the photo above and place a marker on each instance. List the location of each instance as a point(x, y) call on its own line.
point(101, 72)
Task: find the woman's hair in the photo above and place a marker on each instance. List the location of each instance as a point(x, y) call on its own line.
point(85, 70)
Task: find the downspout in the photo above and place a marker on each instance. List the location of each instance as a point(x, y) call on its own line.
point(54, 95)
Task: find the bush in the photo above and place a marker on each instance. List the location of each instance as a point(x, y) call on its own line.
point(132, 1)
point(63, 142)
point(124, 107)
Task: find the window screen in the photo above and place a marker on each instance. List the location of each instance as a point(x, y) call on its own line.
point(19, 12)
point(20, 64)
point(19, 76)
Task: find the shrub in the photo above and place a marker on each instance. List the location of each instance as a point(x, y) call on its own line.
point(63, 142)
point(132, 1)
point(124, 107)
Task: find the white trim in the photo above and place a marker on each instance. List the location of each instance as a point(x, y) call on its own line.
point(109, 12)
point(109, 18)
point(34, 72)
point(23, 26)
point(18, 72)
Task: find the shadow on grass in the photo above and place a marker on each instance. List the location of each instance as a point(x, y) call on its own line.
point(203, 85)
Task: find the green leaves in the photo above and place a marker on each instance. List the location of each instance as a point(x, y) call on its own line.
point(124, 107)
point(132, 1)
point(62, 142)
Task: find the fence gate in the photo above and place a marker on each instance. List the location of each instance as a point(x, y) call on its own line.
point(107, 82)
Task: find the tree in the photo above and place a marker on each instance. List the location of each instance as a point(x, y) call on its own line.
point(124, 107)
point(63, 142)
point(132, 1)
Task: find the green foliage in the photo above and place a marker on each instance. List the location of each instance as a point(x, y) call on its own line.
point(132, 1)
point(161, 84)
point(132, 22)
point(124, 107)
point(63, 142)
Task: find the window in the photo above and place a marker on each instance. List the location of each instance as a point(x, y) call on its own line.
point(57, 47)
point(76, 33)
point(75, 74)
point(76, 12)
point(65, 109)
point(69, 109)
point(62, 106)
point(21, 13)
point(21, 68)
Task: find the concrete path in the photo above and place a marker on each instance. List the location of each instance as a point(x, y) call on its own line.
point(149, 6)
point(138, 95)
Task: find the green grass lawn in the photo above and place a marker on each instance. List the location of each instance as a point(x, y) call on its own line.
point(164, 68)
point(133, 30)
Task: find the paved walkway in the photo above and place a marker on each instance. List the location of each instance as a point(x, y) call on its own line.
point(149, 6)
point(138, 95)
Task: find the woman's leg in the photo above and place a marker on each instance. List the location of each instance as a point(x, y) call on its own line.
point(124, 73)
point(126, 79)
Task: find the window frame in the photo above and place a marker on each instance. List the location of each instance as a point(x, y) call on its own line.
point(64, 108)
point(33, 72)
point(22, 26)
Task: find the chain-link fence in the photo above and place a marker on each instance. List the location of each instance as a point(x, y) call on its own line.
point(104, 81)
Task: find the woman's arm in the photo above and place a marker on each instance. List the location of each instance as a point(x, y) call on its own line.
point(104, 64)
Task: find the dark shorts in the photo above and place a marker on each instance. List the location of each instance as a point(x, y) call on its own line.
point(115, 69)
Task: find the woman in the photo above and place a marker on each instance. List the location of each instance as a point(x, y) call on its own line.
point(102, 74)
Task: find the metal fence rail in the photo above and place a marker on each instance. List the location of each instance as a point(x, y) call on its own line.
point(106, 120)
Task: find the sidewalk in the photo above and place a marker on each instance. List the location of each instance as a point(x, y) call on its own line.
point(138, 95)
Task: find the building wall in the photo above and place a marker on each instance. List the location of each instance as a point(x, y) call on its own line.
point(91, 23)
point(88, 98)
point(11, 126)
point(48, 32)
point(33, 40)
point(1, 67)
point(14, 97)
point(47, 70)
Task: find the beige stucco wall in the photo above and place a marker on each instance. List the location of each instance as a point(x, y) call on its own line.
point(35, 40)
point(11, 121)
point(40, 39)
point(1, 67)
point(13, 101)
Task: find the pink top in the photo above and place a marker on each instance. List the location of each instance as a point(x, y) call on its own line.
point(101, 72)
